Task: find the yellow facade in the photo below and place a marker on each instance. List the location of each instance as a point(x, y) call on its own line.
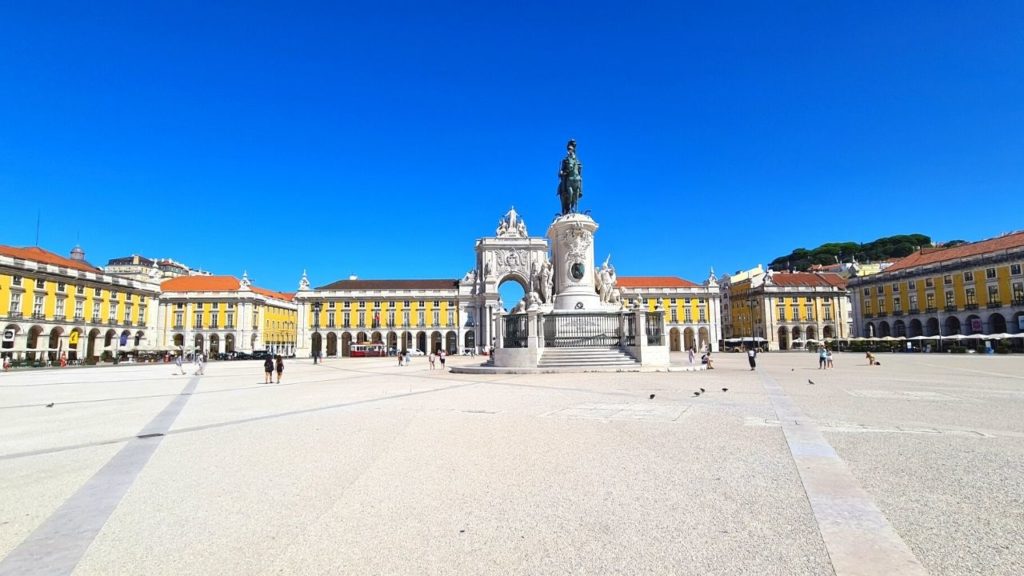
point(372, 314)
point(58, 306)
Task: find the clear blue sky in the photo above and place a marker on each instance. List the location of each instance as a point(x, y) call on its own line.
point(382, 139)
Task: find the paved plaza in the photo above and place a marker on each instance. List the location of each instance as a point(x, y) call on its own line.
point(359, 466)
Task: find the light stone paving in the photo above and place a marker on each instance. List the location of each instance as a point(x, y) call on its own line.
point(359, 466)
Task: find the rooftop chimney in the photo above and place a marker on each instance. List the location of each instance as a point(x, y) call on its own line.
point(77, 253)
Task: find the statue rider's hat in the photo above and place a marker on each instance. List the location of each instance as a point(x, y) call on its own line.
point(571, 144)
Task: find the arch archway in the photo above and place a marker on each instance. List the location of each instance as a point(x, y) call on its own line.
point(407, 341)
point(451, 342)
point(883, 329)
point(214, 344)
point(199, 343)
point(32, 343)
point(376, 338)
point(435, 342)
point(703, 338)
point(317, 344)
point(346, 344)
point(138, 338)
point(783, 338)
point(512, 288)
point(869, 330)
point(179, 340)
point(952, 326)
point(689, 338)
point(932, 327)
point(421, 342)
point(973, 325)
point(90, 345)
point(674, 340)
point(54, 343)
point(797, 340)
point(361, 337)
point(996, 323)
point(812, 333)
point(332, 344)
point(899, 328)
point(827, 332)
point(74, 336)
point(915, 328)
point(392, 341)
point(9, 344)
point(469, 341)
point(229, 343)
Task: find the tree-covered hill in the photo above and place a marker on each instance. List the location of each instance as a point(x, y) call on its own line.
point(887, 248)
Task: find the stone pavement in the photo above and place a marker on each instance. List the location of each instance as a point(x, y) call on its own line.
point(359, 466)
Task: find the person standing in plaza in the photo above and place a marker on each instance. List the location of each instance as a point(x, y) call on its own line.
point(200, 364)
point(752, 357)
point(268, 370)
point(822, 357)
point(177, 362)
point(430, 360)
point(440, 355)
point(279, 365)
point(828, 358)
point(690, 353)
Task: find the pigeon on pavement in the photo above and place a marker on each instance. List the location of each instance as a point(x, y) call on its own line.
point(809, 381)
point(652, 396)
point(50, 405)
point(725, 389)
point(703, 390)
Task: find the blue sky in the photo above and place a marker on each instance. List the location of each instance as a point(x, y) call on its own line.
point(382, 139)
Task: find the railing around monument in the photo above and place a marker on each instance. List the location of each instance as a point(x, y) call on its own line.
point(654, 332)
point(515, 330)
point(630, 336)
point(581, 330)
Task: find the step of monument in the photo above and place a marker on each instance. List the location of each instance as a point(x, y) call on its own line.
point(560, 357)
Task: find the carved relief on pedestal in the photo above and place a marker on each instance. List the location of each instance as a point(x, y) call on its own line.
point(577, 241)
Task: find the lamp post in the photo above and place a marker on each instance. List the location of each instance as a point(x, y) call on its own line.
point(316, 329)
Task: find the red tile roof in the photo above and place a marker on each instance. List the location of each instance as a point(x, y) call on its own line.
point(215, 284)
point(654, 282)
point(391, 285)
point(37, 254)
point(933, 255)
point(809, 279)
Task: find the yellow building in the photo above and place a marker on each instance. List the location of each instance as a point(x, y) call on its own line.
point(422, 315)
point(224, 314)
point(692, 311)
point(52, 306)
point(975, 288)
point(784, 310)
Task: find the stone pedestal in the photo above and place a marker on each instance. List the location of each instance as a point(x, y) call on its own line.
point(572, 251)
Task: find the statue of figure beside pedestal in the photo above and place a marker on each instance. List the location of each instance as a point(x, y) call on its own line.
point(570, 180)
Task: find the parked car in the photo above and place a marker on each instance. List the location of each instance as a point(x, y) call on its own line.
point(242, 356)
point(416, 353)
point(260, 354)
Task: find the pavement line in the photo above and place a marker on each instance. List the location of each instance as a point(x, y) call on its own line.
point(858, 537)
point(59, 543)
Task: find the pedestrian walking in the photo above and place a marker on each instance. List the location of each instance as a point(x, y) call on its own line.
point(177, 362)
point(822, 357)
point(268, 370)
point(430, 360)
point(407, 358)
point(752, 357)
point(828, 358)
point(440, 356)
point(279, 365)
point(690, 354)
point(200, 364)
point(401, 358)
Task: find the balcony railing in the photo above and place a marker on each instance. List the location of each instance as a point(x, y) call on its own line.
point(179, 327)
point(931, 310)
point(995, 304)
point(39, 315)
point(913, 311)
point(897, 312)
point(972, 306)
point(1018, 301)
point(950, 308)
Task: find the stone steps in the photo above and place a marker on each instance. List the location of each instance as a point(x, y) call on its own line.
point(584, 357)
